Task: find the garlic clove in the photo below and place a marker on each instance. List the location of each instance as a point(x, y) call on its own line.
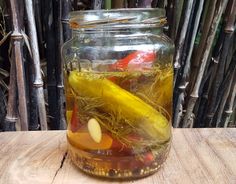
point(95, 130)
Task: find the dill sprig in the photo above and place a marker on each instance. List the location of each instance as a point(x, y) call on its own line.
point(113, 121)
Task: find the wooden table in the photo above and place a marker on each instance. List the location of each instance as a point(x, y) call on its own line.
point(197, 156)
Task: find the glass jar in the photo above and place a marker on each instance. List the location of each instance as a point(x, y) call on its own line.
point(118, 82)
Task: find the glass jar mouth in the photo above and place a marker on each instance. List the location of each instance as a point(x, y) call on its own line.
point(117, 19)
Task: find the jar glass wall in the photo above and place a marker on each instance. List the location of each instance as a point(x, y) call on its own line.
point(119, 84)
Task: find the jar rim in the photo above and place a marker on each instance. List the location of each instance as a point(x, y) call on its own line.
point(162, 10)
point(117, 18)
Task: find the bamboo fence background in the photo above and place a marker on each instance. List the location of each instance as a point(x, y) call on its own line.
point(32, 32)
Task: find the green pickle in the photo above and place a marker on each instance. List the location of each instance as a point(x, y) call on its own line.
point(132, 110)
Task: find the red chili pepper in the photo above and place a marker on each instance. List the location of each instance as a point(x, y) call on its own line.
point(75, 123)
point(138, 60)
point(121, 148)
point(148, 158)
point(113, 79)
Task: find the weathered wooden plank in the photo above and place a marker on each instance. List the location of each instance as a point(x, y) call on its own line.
point(197, 156)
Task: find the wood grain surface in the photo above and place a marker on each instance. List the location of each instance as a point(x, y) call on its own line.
point(197, 156)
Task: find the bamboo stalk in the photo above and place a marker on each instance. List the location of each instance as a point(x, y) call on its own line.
point(161, 4)
point(29, 85)
point(154, 3)
point(38, 82)
point(107, 4)
point(61, 124)
point(125, 3)
point(186, 70)
point(204, 14)
point(51, 63)
point(220, 69)
point(229, 103)
point(117, 4)
point(181, 38)
point(12, 115)
point(132, 3)
point(218, 48)
point(178, 8)
point(171, 19)
point(194, 94)
point(225, 85)
point(174, 10)
point(84, 4)
point(199, 123)
point(221, 106)
point(97, 4)
point(33, 113)
point(144, 3)
point(179, 108)
point(220, 41)
point(206, 94)
point(230, 27)
point(75, 5)
point(200, 49)
point(17, 44)
point(2, 109)
point(66, 8)
point(186, 43)
point(230, 53)
point(38, 22)
point(233, 117)
point(226, 82)
point(193, 37)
